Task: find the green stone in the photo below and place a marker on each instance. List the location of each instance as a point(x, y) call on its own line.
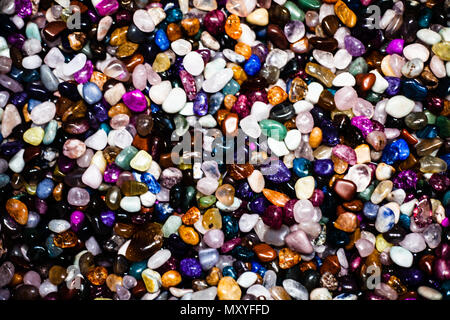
point(373, 97)
point(430, 116)
point(50, 132)
point(273, 129)
point(32, 31)
point(171, 226)
point(181, 125)
point(232, 87)
point(358, 66)
point(295, 11)
point(137, 268)
point(123, 159)
point(443, 123)
point(309, 4)
point(366, 194)
point(206, 201)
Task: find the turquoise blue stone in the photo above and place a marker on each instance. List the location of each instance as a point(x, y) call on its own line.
point(230, 227)
point(425, 18)
point(446, 199)
point(215, 101)
point(253, 65)
point(404, 221)
point(337, 238)
point(52, 250)
point(161, 40)
point(370, 210)
point(91, 93)
point(32, 31)
point(50, 132)
point(105, 127)
point(445, 290)
point(229, 271)
point(16, 74)
point(150, 181)
point(413, 90)
point(31, 75)
point(395, 151)
point(163, 211)
point(242, 253)
point(429, 132)
point(174, 15)
point(232, 87)
point(302, 167)
point(137, 268)
point(44, 188)
point(4, 180)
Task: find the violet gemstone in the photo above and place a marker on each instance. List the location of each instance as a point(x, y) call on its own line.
point(395, 46)
point(273, 216)
point(135, 100)
point(201, 104)
point(323, 167)
point(111, 174)
point(394, 86)
point(76, 219)
point(190, 268)
point(355, 47)
point(276, 172)
point(66, 164)
point(405, 180)
point(258, 205)
point(108, 218)
point(17, 40)
point(363, 123)
point(23, 8)
point(244, 191)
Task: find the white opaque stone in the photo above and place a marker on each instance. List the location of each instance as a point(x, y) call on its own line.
point(158, 259)
point(97, 141)
point(247, 279)
point(314, 91)
point(380, 84)
point(344, 79)
point(277, 147)
point(92, 177)
point(148, 199)
point(218, 80)
point(131, 204)
point(58, 225)
point(429, 36)
point(158, 93)
point(175, 101)
point(416, 50)
point(181, 47)
point(399, 106)
point(75, 64)
point(193, 63)
point(247, 222)
point(43, 113)
point(401, 256)
point(293, 139)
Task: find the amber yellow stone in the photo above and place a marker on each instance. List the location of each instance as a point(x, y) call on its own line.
point(233, 26)
point(213, 276)
point(212, 219)
point(238, 72)
point(57, 274)
point(171, 278)
point(119, 109)
point(191, 216)
point(97, 276)
point(347, 16)
point(126, 49)
point(315, 137)
point(99, 79)
point(189, 235)
point(276, 95)
point(347, 222)
point(161, 63)
point(119, 36)
point(277, 198)
point(298, 90)
point(225, 194)
point(228, 289)
point(288, 258)
point(66, 239)
point(243, 49)
point(17, 210)
point(112, 281)
point(381, 244)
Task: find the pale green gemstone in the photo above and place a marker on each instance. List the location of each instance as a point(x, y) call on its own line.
point(359, 65)
point(366, 194)
point(50, 132)
point(123, 159)
point(172, 224)
point(431, 117)
point(295, 11)
point(87, 50)
point(3, 43)
point(32, 31)
point(206, 201)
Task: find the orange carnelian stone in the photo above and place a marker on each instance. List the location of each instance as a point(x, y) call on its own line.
point(17, 210)
point(233, 27)
point(276, 95)
point(191, 216)
point(277, 198)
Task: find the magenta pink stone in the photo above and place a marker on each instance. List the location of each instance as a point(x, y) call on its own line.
point(76, 220)
point(85, 73)
point(111, 174)
point(23, 8)
point(241, 106)
point(273, 217)
point(214, 22)
point(345, 153)
point(107, 7)
point(135, 100)
point(395, 46)
point(230, 245)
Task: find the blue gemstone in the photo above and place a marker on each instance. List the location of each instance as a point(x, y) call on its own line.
point(244, 191)
point(201, 104)
point(230, 227)
point(229, 271)
point(215, 101)
point(395, 151)
point(105, 127)
point(174, 15)
point(45, 188)
point(108, 218)
point(91, 93)
point(412, 89)
point(429, 132)
point(258, 205)
point(323, 167)
point(256, 266)
point(425, 18)
point(253, 65)
point(161, 40)
point(163, 211)
point(370, 210)
point(191, 268)
point(302, 167)
point(404, 221)
point(276, 171)
point(150, 181)
point(137, 268)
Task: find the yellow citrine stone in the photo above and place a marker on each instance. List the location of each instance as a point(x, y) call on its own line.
point(34, 136)
point(141, 161)
point(228, 289)
point(347, 16)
